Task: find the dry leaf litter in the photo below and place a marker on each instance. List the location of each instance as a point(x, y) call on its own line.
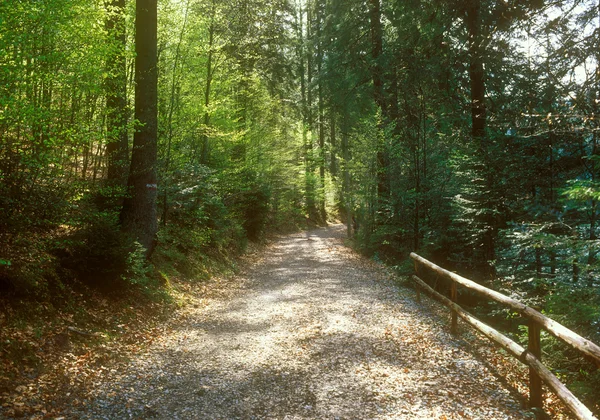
point(313, 330)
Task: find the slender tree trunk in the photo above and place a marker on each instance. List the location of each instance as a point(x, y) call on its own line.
point(417, 212)
point(309, 65)
point(378, 92)
point(302, 56)
point(346, 193)
point(333, 168)
point(417, 215)
point(376, 52)
point(205, 156)
point(139, 209)
point(116, 100)
point(322, 211)
point(476, 75)
point(172, 101)
point(591, 260)
point(309, 152)
point(478, 125)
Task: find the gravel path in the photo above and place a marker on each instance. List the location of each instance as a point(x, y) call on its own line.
point(311, 331)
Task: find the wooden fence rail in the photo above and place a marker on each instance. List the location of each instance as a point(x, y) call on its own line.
point(530, 356)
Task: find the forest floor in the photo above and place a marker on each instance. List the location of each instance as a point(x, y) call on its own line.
point(310, 330)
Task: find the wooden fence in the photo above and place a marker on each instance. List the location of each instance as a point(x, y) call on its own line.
point(530, 356)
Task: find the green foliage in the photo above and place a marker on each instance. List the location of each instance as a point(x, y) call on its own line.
point(269, 113)
point(137, 270)
point(582, 190)
point(250, 201)
point(576, 306)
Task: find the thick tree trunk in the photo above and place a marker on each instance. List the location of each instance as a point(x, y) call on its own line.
point(116, 99)
point(139, 209)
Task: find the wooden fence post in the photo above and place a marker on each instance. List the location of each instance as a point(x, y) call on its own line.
point(417, 288)
point(535, 382)
point(454, 297)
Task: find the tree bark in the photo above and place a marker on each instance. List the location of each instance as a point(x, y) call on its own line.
point(139, 209)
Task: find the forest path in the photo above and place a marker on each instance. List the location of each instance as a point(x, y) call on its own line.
point(313, 330)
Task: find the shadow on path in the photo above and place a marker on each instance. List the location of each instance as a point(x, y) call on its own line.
point(316, 332)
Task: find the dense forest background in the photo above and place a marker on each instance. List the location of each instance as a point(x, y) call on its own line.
point(464, 130)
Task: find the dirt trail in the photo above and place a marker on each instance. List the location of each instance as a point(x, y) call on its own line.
point(315, 331)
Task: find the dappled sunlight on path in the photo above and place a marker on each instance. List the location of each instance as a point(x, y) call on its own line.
point(315, 331)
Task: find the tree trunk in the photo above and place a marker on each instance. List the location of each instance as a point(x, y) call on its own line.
point(172, 102)
point(116, 100)
point(378, 96)
point(376, 52)
point(205, 156)
point(346, 193)
point(139, 209)
point(308, 139)
point(322, 211)
point(332, 141)
point(478, 125)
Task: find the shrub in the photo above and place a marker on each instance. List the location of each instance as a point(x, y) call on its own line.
point(27, 267)
point(97, 252)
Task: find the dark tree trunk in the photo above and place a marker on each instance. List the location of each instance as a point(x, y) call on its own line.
point(346, 193)
point(476, 75)
point(333, 168)
point(116, 99)
point(322, 211)
point(139, 209)
point(378, 93)
point(478, 125)
point(376, 52)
